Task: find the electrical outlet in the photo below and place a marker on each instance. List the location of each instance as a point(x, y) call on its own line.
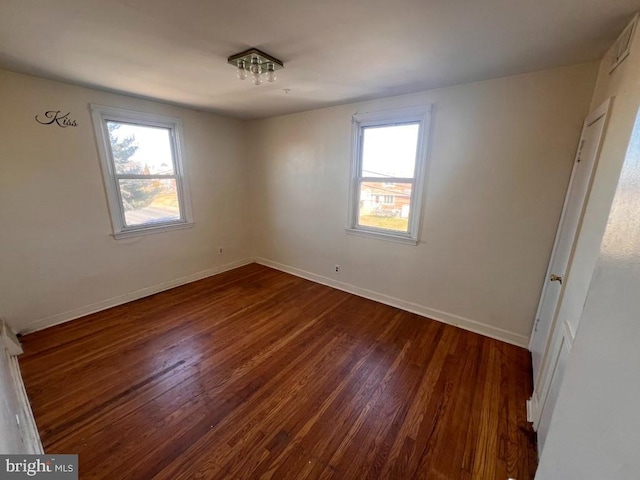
point(337, 268)
point(219, 250)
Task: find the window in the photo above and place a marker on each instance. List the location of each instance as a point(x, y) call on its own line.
point(141, 157)
point(387, 173)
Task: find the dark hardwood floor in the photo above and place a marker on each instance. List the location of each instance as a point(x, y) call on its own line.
point(255, 373)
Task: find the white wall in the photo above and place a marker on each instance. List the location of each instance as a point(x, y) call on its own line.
point(501, 156)
point(594, 428)
point(59, 260)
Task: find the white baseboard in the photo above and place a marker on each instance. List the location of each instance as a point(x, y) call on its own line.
point(28, 428)
point(128, 297)
point(444, 317)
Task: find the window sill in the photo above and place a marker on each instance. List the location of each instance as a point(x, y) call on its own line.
point(391, 237)
point(137, 232)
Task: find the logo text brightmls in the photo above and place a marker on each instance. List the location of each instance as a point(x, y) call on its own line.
point(49, 467)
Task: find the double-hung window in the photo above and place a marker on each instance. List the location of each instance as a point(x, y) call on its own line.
point(388, 173)
point(142, 164)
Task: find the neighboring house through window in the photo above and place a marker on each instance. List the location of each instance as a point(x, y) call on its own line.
point(388, 169)
point(142, 164)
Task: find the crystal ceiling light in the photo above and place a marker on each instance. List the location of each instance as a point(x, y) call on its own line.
point(259, 64)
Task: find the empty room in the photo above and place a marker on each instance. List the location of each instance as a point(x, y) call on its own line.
point(320, 240)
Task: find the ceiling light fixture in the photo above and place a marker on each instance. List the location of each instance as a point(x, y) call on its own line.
point(256, 63)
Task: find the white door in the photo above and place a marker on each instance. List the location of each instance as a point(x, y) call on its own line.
point(577, 193)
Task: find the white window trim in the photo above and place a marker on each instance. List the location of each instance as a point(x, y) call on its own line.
point(101, 114)
point(421, 114)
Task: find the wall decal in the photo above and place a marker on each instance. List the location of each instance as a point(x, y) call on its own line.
point(54, 116)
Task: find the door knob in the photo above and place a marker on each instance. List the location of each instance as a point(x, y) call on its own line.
point(556, 278)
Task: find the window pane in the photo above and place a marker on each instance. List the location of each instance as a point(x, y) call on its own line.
point(385, 205)
point(149, 201)
point(390, 151)
point(141, 150)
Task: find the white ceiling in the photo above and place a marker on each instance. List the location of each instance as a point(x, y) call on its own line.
point(335, 51)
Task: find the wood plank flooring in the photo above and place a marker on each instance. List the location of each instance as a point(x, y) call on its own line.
point(255, 373)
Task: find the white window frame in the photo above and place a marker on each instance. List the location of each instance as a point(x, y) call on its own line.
point(400, 116)
point(101, 115)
